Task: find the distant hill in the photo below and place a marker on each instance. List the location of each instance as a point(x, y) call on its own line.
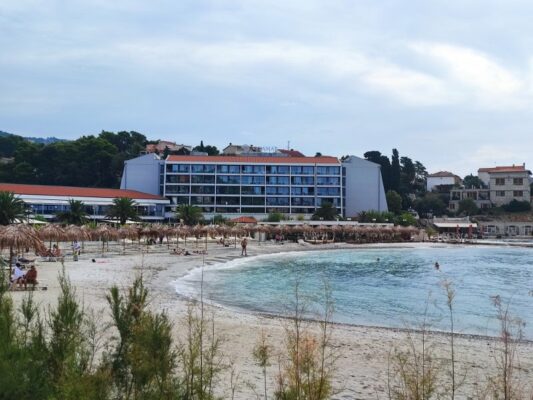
point(47, 140)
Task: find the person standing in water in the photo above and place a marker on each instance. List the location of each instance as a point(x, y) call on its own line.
point(244, 243)
point(437, 266)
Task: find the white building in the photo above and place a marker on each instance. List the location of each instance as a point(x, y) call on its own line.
point(504, 184)
point(442, 181)
point(256, 186)
point(363, 186)
point(47, 201)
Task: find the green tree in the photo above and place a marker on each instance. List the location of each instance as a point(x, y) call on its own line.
point(517, 206)
point(75, 215)
point(275, 217)
point(405, 219)
point(433, 203)
point(378, 158)
point(123, 208)
point(395, 174)
point(468, 207)
point(394, 202)
point(326, 212)
point(473, 182)
point(189, 214)
point(11, 208)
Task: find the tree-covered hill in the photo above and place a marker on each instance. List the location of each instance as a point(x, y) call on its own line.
point(92, 161)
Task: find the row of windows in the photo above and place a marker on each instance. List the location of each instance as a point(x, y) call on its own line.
point(256, 210)
point(51, 209)
point(251, 169)
point(253, 180)
point(255, 201)
point(254, 190)
point(516, 181)
point(516, 193)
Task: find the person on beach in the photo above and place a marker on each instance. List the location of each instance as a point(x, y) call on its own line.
point(244, 244)
point(30, 277)
point(17, 277)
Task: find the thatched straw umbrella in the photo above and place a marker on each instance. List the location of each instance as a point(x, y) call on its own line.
point(127, 232)
point(20, 236)
point(106, 233)
point(52, 232)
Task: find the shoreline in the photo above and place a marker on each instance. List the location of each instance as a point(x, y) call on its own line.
point(365, 350)
point(332, 247)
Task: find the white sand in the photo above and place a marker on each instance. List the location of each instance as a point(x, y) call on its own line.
point(363, 351)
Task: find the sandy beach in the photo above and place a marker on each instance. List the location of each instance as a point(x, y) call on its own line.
point(363, 351)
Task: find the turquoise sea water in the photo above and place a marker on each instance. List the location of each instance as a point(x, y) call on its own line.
point(381, 287)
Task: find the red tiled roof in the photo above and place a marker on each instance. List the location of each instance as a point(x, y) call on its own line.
point(442, 174)
point(244, 220)
point(512, 168)
point(255, 159)
point(71, 191)
point(291, 153)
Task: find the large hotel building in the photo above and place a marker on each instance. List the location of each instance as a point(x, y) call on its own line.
point(258, 185)
point(230, 185)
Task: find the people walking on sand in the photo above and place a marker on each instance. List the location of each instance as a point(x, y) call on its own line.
point(244, 244)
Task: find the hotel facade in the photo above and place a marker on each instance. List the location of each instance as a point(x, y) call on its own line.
point(258, 185)
point(46, 201)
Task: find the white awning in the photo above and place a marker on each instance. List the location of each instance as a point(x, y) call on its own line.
point(455, 224)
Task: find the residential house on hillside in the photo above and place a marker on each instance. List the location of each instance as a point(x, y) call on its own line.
point(442, 181)
point(173, 148)
point(504, 184)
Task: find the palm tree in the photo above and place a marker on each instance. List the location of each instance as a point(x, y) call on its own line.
point(326, 212)
point(190, 215)
point(123, 208)
point(76, 215)
point(11, 208)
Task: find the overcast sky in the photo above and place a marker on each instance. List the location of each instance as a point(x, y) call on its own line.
point(449, 83)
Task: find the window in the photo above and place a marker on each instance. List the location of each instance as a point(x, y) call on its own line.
point(303, 180)
point(202, 179)
point(253, 169)
point(277, 201)
point(329, 181)
point(277, 180)
point(328, 191)
point(283, 190)
point(253, 190)
point(178, 178)
point(518, 193)
point(201, 189)
point(183, 168)
point(228, 179)
point(327, 170)
point(518, 181)
point(277, 169)
point(253, 201)
point(499, 181)
point(200, 168)
point(229, 169)
point(202, 200)
point(181, 189)
point(228, 190)
point(229, 201)
point(452, 206)
point(302, 170)
point(500, 193)
point(303, 191)
point(253, 180)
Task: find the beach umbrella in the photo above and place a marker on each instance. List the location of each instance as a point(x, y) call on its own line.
point(106, 233)
point(52, 232)
point(17, 237)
